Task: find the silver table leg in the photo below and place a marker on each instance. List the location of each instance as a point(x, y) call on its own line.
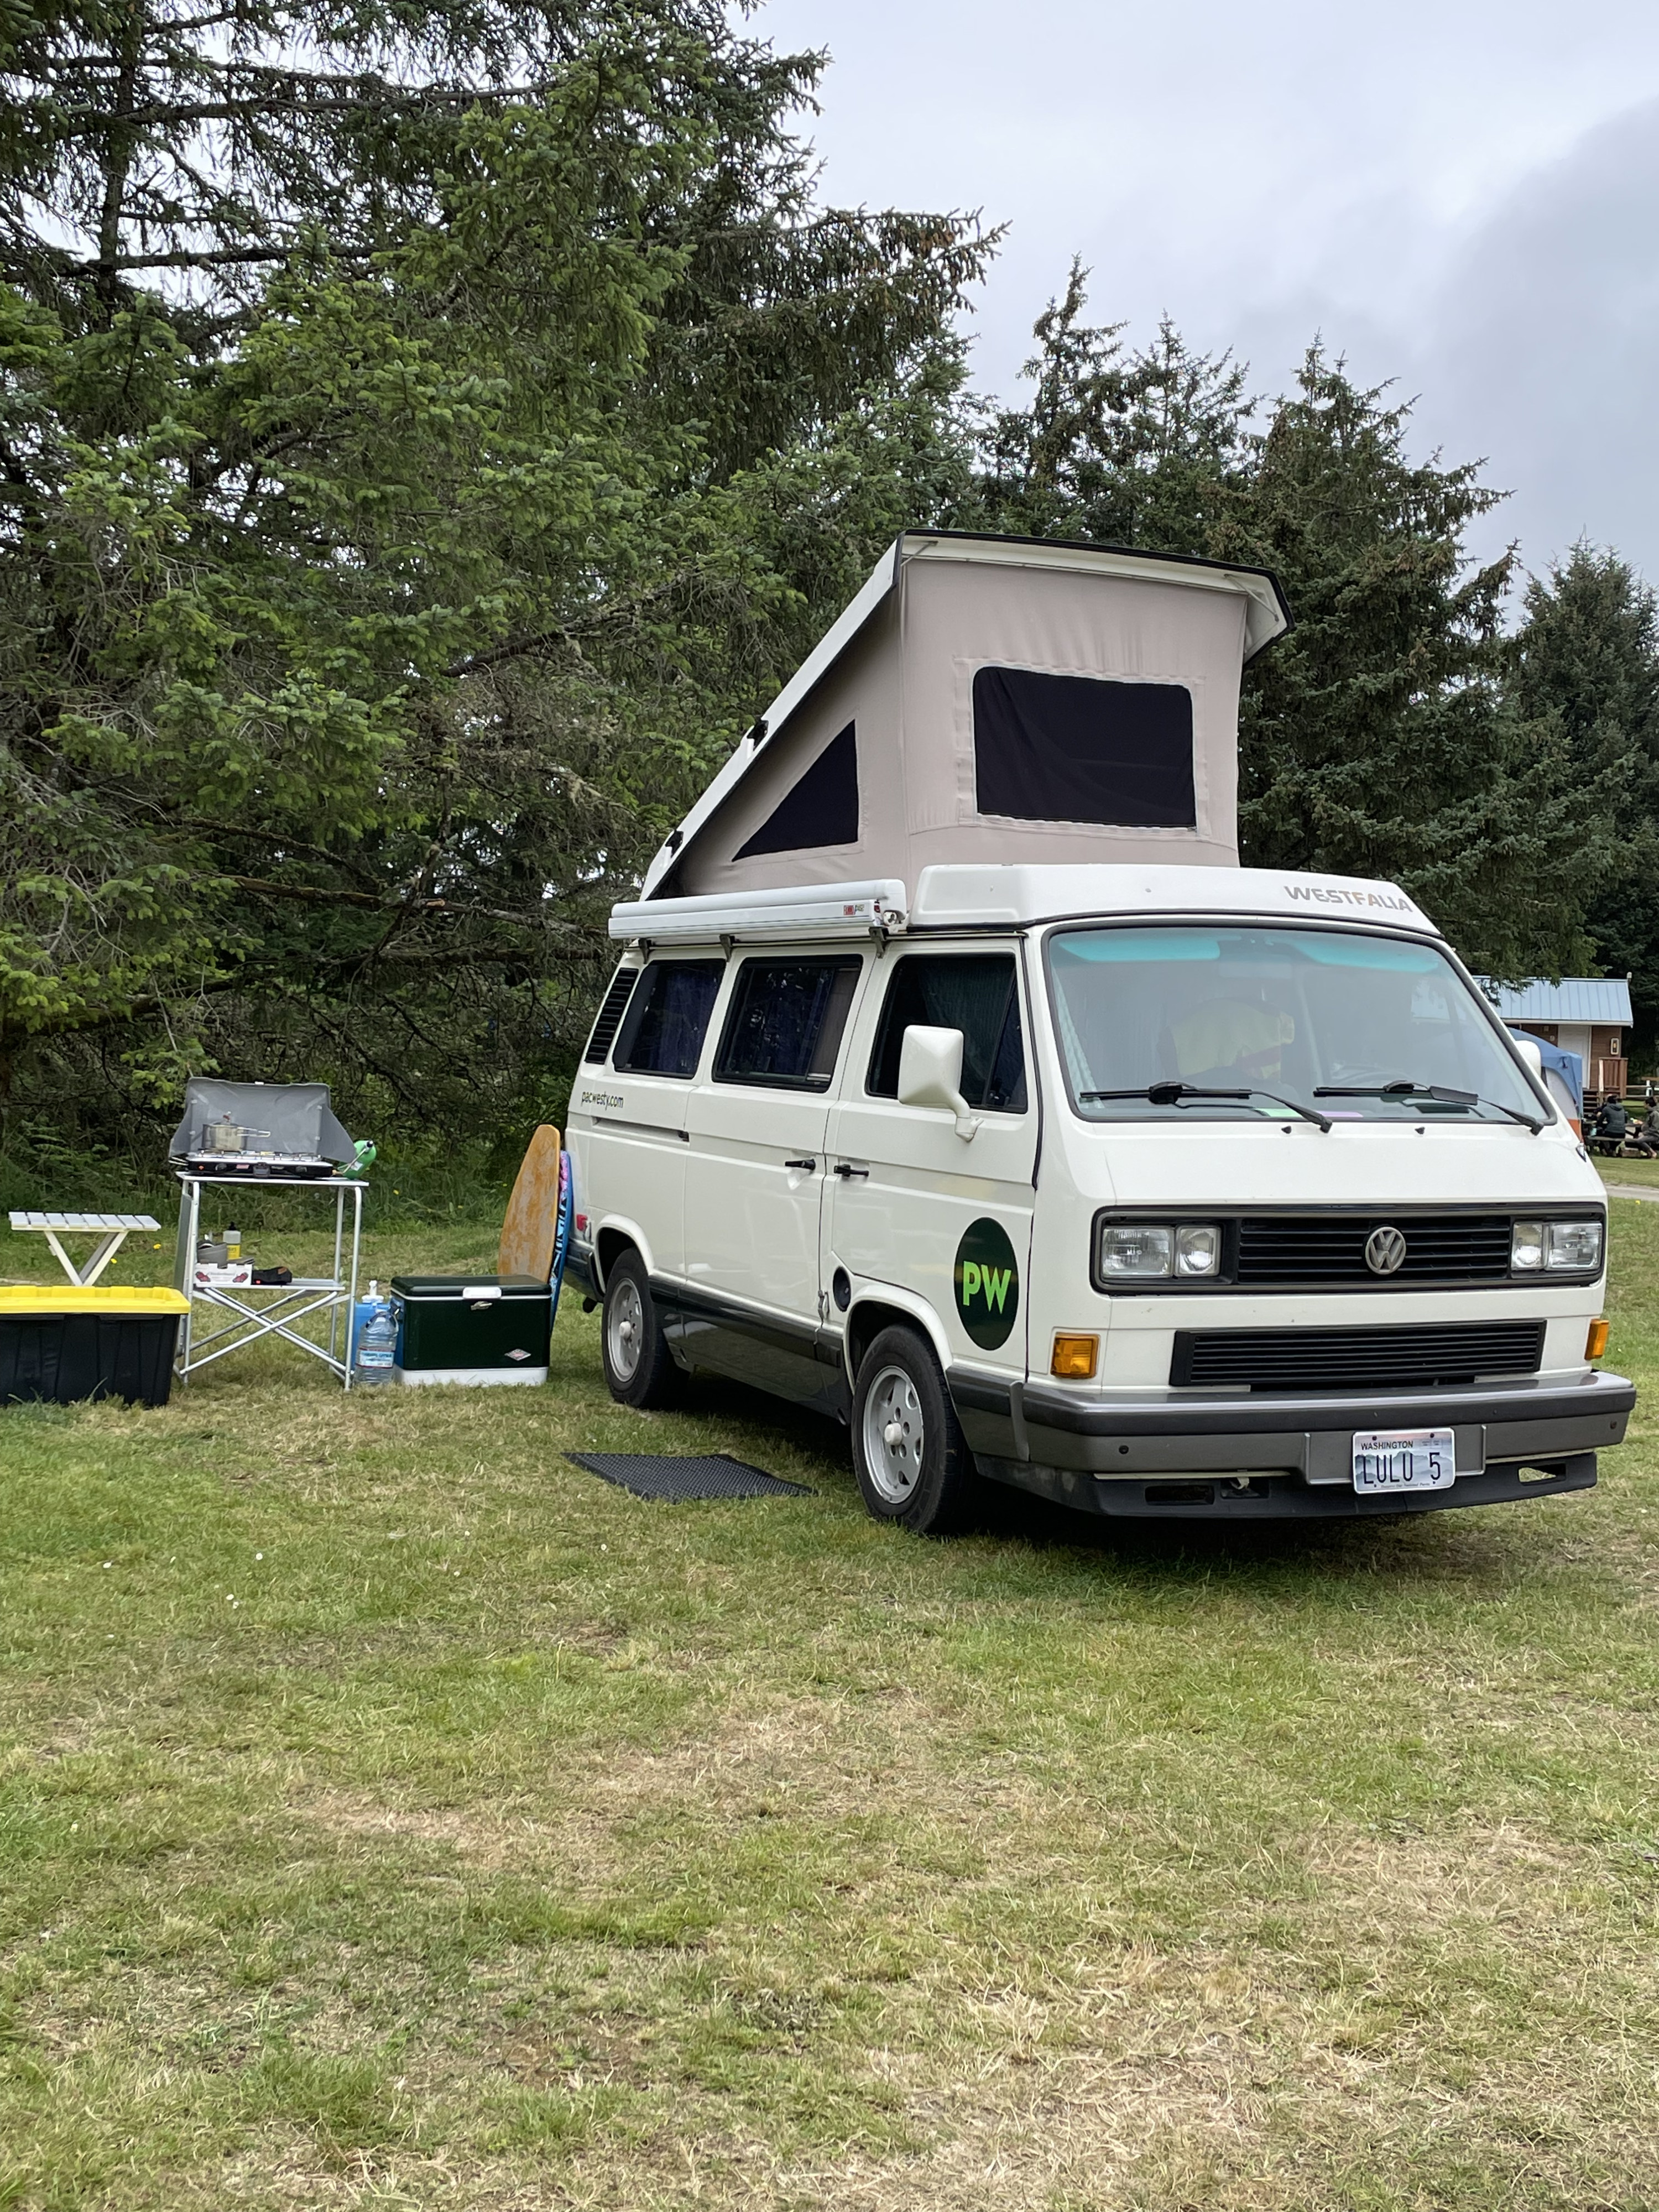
point(356, 1254)
point(184, 1264)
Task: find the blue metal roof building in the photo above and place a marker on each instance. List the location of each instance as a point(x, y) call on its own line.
point(1599, 999)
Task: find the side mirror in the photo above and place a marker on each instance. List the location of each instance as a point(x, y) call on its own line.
point(930, 1074)
point(1528, 1048)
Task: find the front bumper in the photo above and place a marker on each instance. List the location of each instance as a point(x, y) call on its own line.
point(1272, 1456)
point(1280, 1497)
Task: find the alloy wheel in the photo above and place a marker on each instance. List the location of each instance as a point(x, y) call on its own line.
point(894, 1437)
point(624, 1330)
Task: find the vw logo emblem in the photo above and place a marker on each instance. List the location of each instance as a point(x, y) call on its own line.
point(1385, 1250)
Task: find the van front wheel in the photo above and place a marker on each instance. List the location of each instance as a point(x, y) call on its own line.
point(639, 1368)
point(909, 1454)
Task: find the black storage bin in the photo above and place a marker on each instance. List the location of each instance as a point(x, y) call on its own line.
point(471, 1329)
point(63, 1347)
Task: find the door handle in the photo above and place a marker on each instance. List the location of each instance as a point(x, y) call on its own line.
point(806, 1167)
point(847, 1171)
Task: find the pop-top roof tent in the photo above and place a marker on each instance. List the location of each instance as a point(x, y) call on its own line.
point(999, 699)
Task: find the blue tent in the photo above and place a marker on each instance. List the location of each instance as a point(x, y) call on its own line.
point(1567, 1065)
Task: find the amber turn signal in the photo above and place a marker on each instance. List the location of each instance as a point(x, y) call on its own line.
point(1074, 1358)
point(1596, 1342)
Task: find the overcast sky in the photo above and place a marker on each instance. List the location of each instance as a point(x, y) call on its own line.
point(1464, 195)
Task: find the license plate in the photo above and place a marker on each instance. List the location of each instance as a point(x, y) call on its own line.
point(1403, 1459)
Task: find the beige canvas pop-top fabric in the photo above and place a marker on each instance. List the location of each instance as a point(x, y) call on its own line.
point(905, 680)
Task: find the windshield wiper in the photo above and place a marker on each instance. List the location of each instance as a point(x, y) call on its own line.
point(1403, 1088)
point(1171, 1094)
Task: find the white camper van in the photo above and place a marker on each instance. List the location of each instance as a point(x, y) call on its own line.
point(955, 1080)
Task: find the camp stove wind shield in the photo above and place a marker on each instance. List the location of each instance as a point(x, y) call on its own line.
point(258, 1129)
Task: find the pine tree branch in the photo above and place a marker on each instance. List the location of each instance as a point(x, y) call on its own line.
point(316, 896)
point(221, 256)
point(168, 115)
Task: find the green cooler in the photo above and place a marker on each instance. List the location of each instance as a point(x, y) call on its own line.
point(471, 1329)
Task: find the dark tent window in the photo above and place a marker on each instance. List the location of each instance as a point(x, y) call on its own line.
point(1084, 749)
point(821, 809)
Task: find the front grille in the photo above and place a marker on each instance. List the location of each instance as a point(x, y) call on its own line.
point(1315, 1248)
point(1355, 1359)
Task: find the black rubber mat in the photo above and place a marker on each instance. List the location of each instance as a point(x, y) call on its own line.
point(661, 1474)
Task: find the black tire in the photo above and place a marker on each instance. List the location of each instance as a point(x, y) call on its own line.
point(639, 1368)
point(924, 1477)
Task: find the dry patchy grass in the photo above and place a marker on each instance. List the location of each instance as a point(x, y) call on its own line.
point(394, 1815)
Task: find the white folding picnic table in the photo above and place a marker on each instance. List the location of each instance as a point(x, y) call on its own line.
point(111, 1231)
point(262, 1310)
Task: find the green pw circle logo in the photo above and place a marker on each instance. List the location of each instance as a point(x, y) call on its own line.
point(986, 1279)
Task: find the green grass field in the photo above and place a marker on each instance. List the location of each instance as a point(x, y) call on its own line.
point(1641, 1175)
point(393, 1814)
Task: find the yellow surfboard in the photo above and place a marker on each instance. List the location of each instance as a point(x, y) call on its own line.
point(531, 1226)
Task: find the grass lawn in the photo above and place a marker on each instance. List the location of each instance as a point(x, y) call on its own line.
point(393, 1814)
point(1641, 1175)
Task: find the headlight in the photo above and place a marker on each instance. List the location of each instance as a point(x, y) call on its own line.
point(1573, 1245)
point(1567, 1248)
point(1142, 1250)
point(1198, 1248)
point(1526, 1248)
point(1129, 1249)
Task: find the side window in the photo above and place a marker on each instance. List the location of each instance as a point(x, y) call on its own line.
point(785, 1021)
point(662, 1032)
point(975, 993)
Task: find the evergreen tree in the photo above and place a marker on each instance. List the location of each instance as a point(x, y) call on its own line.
point(1587, 659)
point(1145, 449)
point(388, 402)
point(1377, 739)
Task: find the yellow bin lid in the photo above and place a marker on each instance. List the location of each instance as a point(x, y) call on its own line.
point(20, 1301)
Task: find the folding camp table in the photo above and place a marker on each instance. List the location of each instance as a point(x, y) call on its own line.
point(110, 1230)
point(259, 1310)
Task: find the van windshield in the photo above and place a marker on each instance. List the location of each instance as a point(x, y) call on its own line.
point(1329, 1018)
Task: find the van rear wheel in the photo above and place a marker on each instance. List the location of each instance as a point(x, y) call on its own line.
point(639, 1368)
point(908, 1452)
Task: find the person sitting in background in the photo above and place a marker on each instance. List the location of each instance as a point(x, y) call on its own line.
point(1612, 1123)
